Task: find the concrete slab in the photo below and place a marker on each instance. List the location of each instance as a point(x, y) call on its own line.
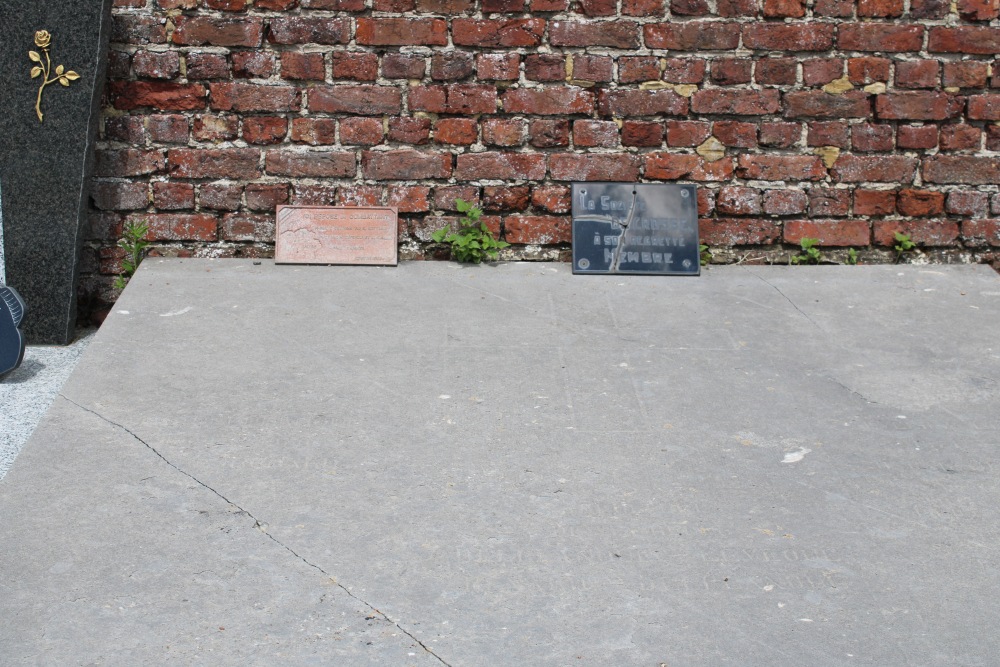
point(444, 465)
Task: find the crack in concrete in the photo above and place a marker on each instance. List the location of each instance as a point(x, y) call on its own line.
point(849, 389)
point(794, 305)
point(262, 528)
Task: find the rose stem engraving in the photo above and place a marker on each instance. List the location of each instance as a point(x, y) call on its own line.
point(42, 40)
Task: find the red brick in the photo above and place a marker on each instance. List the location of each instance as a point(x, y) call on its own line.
point(828, 232)
point(684, 70)
point(594, 167)
point(785, 202)
point(918, 74)
point(875, 168)
point(595, 69)
point(310, 30)
point(618, 34)
point(544, 67)
point(135, 29)
point(738, 231)
point(642, 7)
point(215, 128)
point(252, 97)
point(632, 69)
point(819, 72)
point(266, 196)
point(829, 133)
point(403, 66)
point(220, 196)
point(880, 8)
point(818, 104)
point(884, 37)
point(963, 169)
point(780, 135)
point(314, 195)
point(551, 100)
point(454, 98)
point(498, 32)
point(552, 198)
point(965, 39)
point(687, 132)
point(968, 202)
point(983, 232)
point(362, 99)
point(264, 129)
point(960, 137)
point(731, 71)
point(503, 131)
point(247, 227)
point(444, 6)
point(776, 71)
point(789, 37)
point(445, 196)
point(671, 167)
point(357, 66)
point(111, 196)
point(456, 131)
point(405, 164)
point(692, 36)
point(359, 195)
point(929, 9)
point(862, 71)
point(314, 131)
point(548, 133)
point(498, 66)
point(784, 8)
point(825, 202)
point(920, 202)
point(921, 232)
point(505, 6)
point(689, 8)
point(781, 168)
point(965, 74)
point(416, 131)
point(227, 5)
point(409, 198)
point(978, 10)
point(236, 163)
point(506, 166)
point(253, 64)
point(869, 137)
point(538, 229)
point(276, 5)
point(168, 129)
point(738, 200)
point(451, 66)
point(312, 164)
point(173, 196)
point(706, 202)
point(401, 31)
point(918, 105)
point(506, 198)
point(205, 30)
point(993, 137)
point(595, 133)
point(984, 107)
point(735, 133)
point(736, 102)
point(874, 202)
point(303, 66)
point(202, 65)
point(128, 162)
point(156, 65)
point(736, 8)
point(547, 5)
point(128, 95)
point(179, 226)
point(641, 133)
point(919, 137)
point(623, 102)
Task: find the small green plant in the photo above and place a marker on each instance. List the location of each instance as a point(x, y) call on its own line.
point(705, 254)
point(473, 242)
point(903, 245)
point(852, 256)
point(810, 253)
point(134, 243)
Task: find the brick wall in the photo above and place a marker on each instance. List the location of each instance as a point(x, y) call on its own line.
point(844, 121)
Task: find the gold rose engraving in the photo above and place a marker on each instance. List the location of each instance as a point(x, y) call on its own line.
point(44, 69)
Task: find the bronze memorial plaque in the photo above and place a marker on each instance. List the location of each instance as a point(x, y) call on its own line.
point(336, 235)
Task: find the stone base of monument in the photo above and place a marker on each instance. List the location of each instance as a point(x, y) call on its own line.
point(511, 465)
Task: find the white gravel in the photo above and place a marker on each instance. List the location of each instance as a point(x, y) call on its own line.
point(27, 392)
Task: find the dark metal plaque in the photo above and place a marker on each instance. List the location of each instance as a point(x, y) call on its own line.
point(336, 235)
point(635, 228)
point(11, 338)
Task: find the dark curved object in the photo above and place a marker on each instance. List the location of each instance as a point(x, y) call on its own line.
point(11, 339)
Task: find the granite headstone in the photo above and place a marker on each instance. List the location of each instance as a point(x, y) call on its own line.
point(637, 228)
point(54, 55)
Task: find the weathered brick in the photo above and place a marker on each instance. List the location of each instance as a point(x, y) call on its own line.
point(179, 226)
point(506, 198)
point(594, 167)
point(880, 8)
point(684, 70)
point(827, 202)
point(965, 74)
point(405, 164)
point(922, 232)
point(173, 196)
point(692, 36)
point(552, 198)
point(776, 71)
point(874, 202)
point(784, 8)
point(451, 66)
point(498, 32)
point(884, 37)
point(551, 100)
point(314, 131)
point(871, 137)
point(981, 232)
point(964, 169)
point(918, 74)
point(253, 64)
point(736, 8)
point(403, 66)
point(642, 7)
point(737, 102)
point(303, 66)
point(213, 128)
point(632, 69)
point(456, 131)
point(918, 105)
point(863, 71)
point(538, 229)
point(875, 168)
point(619, 34)
point(731, 71)
point(544, 67)
point(735, 133)
point(495, 165)
point(498, 66)
point(789, 37)
point(359, 195)
point(252, 97)
point(264, 129)
point(821, 71)
point(964, 39)
point(220, 196)
point(738, 200)
point(156, 65)
point(780, 135)
point(968, 203)
point(247, 227)
point(128, 95)
point(672, 167)
point(623, 102)
point(405, 130)
point(310, 30)
point(453, 98)
point(642, 133)
point(401, 31)
point(312, 164)
point(687, 132)
point(914, 202)
point(738, 231)
point(984, 107)
point(115, 196)
point(960, 137)
point(503, 131)
point(829, 133)
point(595, 69)
point(781, 168)
point(445, 196)
point(201, 65)
point(314, 195)
point(929, 9)
point(409, 198)
point(828, 232)
point(168, 129)
point(266, 196)
point(918, 137)
point(595, 133)
point(785, 202)
point(356, 66)
point(362, 99)
point(818, 104)
point(236, 163)
point(136, 29)
point(206, 30)
point(689, 7)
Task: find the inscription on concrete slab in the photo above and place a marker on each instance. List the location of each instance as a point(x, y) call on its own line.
point(638, 228)
point(53, 55)
point(11, 338)
point(336, 235)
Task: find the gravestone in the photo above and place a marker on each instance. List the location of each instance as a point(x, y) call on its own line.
point(636, 228)
point(53, 55)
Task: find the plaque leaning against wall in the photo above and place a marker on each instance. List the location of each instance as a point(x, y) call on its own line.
point(336, 235)
point(635, 228)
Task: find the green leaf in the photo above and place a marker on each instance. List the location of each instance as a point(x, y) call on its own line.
point(462, 205)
